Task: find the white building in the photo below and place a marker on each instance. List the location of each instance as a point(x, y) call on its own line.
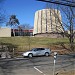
point(5, 32)
point(47, 21)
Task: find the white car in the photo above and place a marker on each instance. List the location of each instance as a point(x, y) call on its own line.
point(37, 52)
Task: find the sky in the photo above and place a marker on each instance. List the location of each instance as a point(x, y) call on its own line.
point(23, 9)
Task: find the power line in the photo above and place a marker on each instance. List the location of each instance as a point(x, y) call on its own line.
point(61, 2)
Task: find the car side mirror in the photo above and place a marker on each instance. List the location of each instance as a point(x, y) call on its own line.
point(35, 50)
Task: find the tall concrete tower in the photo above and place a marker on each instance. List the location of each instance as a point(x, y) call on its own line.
point(47, 21)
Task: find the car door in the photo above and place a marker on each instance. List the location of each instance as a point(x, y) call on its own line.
point(36, 52)
point(41, 51)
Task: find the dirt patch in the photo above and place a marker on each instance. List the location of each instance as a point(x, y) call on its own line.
point(71, 72)
point(62, 51)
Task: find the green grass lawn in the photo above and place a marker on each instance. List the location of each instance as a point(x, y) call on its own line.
point(32, 40)
point(24, 43)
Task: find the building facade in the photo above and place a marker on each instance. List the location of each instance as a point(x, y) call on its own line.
point(8, 32)
point(47, 21)
point(5, 32)
point(22, 32)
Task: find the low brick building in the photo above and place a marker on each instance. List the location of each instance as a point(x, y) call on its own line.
point(26, 32)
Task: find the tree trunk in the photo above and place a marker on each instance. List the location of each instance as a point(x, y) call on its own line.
point(13, 32)
point(71, 37)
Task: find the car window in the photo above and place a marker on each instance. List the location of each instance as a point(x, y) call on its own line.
point(35, 49)
point(42, 49)
point(39, 49)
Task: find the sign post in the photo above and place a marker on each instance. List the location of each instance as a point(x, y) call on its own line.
point(13, 52)
point(55, 56)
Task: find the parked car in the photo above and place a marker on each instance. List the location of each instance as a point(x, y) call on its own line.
point(37, 52)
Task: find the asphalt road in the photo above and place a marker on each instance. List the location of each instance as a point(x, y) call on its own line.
point(36, 65)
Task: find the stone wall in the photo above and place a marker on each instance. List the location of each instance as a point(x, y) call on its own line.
point(51, 35)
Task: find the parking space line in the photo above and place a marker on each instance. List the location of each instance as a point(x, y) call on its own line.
point(39, 70)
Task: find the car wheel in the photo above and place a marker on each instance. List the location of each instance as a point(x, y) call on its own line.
point(46, 54)
point(30, 55)
point(23, 56)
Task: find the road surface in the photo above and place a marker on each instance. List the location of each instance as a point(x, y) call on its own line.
point(36, 65)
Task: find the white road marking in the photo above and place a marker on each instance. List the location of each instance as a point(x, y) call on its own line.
point(39, 70)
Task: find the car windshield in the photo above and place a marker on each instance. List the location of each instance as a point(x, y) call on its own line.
point(33, 49)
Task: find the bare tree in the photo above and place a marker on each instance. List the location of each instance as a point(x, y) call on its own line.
point(69, 16)
point(2, 13)
point(67, 9)
point(67, 22)
point(25, 27)
point(13, 21)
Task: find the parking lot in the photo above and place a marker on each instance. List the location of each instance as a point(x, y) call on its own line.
point(36, 65)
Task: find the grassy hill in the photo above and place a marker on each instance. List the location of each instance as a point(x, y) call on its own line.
point(32, 40)
point(25, 43)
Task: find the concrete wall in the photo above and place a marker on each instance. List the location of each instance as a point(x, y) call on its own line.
point(5, 32)
point(50, 35)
